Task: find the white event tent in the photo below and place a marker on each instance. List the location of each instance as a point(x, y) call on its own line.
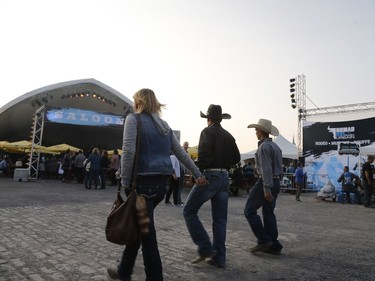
point(368, 149)
point(288, 149)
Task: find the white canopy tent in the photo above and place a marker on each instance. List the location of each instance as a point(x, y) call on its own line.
point(288, 149)
point(367, 150)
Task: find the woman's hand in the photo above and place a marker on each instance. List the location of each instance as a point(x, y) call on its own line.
point(201, 181)
point(268, 196)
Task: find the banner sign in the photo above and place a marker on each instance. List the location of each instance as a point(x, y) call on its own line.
point(319, 137)
point(329, 146)
point(76, 116)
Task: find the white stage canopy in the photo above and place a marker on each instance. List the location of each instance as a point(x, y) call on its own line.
point(367, 150)
point(288, 149)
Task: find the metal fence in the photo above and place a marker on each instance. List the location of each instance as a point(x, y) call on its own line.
point(313, 182)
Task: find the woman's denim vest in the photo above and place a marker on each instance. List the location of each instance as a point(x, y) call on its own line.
point(154, 150)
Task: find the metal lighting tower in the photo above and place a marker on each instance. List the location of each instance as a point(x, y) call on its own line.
point(298, 99)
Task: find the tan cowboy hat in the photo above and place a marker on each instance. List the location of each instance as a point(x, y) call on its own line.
point(214, 112)
point(265, 126)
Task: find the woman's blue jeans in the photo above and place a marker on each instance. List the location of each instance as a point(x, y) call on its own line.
point(153, 188)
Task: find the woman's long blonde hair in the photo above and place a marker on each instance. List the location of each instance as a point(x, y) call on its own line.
point(146, 101)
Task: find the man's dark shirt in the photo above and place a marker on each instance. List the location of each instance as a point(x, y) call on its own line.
point(217, 148)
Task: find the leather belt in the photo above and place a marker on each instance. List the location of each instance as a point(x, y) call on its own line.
point(216, 170)
point(153, 176)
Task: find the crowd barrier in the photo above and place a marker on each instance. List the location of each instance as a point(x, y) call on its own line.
point(313, 182)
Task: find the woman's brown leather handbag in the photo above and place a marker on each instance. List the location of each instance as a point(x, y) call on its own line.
point(122, 224)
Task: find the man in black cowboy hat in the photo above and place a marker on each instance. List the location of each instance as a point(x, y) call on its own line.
point(268, 160)
point(217, 153)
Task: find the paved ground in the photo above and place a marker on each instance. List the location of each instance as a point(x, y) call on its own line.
point(50, 230)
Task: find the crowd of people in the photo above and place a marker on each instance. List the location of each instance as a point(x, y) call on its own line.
point(94, 169)
point(242, 177)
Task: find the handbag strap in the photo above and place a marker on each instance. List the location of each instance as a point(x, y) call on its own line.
point(136, 157)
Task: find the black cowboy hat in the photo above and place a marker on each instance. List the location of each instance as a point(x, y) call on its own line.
point(214, 112)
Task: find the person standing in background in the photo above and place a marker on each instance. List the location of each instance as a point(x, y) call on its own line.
point(114, 167)
point(67, 166)
point(174, 182)
point(290, 169)
point(94, 161)
point(79, 166)
point(368, 180)
point(185, 146)
point(299, 178)
point(350, 183)
point(104, 167)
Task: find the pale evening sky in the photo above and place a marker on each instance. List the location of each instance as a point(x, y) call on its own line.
point(193, 53)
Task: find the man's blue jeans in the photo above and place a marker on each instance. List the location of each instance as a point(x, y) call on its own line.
point(218, 192)
point(267, 230)
point(153, 189)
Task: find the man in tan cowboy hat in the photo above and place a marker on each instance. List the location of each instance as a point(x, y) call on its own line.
point(217, 153)
point(268, 160)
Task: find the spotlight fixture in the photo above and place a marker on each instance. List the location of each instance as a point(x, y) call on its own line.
point(292, 87)
point(292, 90)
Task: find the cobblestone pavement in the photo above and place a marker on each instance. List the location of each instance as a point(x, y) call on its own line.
point(51, 230)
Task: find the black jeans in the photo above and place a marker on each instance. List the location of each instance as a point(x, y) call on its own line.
point(173, 189)
point(368, 193)
point(153, 188)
